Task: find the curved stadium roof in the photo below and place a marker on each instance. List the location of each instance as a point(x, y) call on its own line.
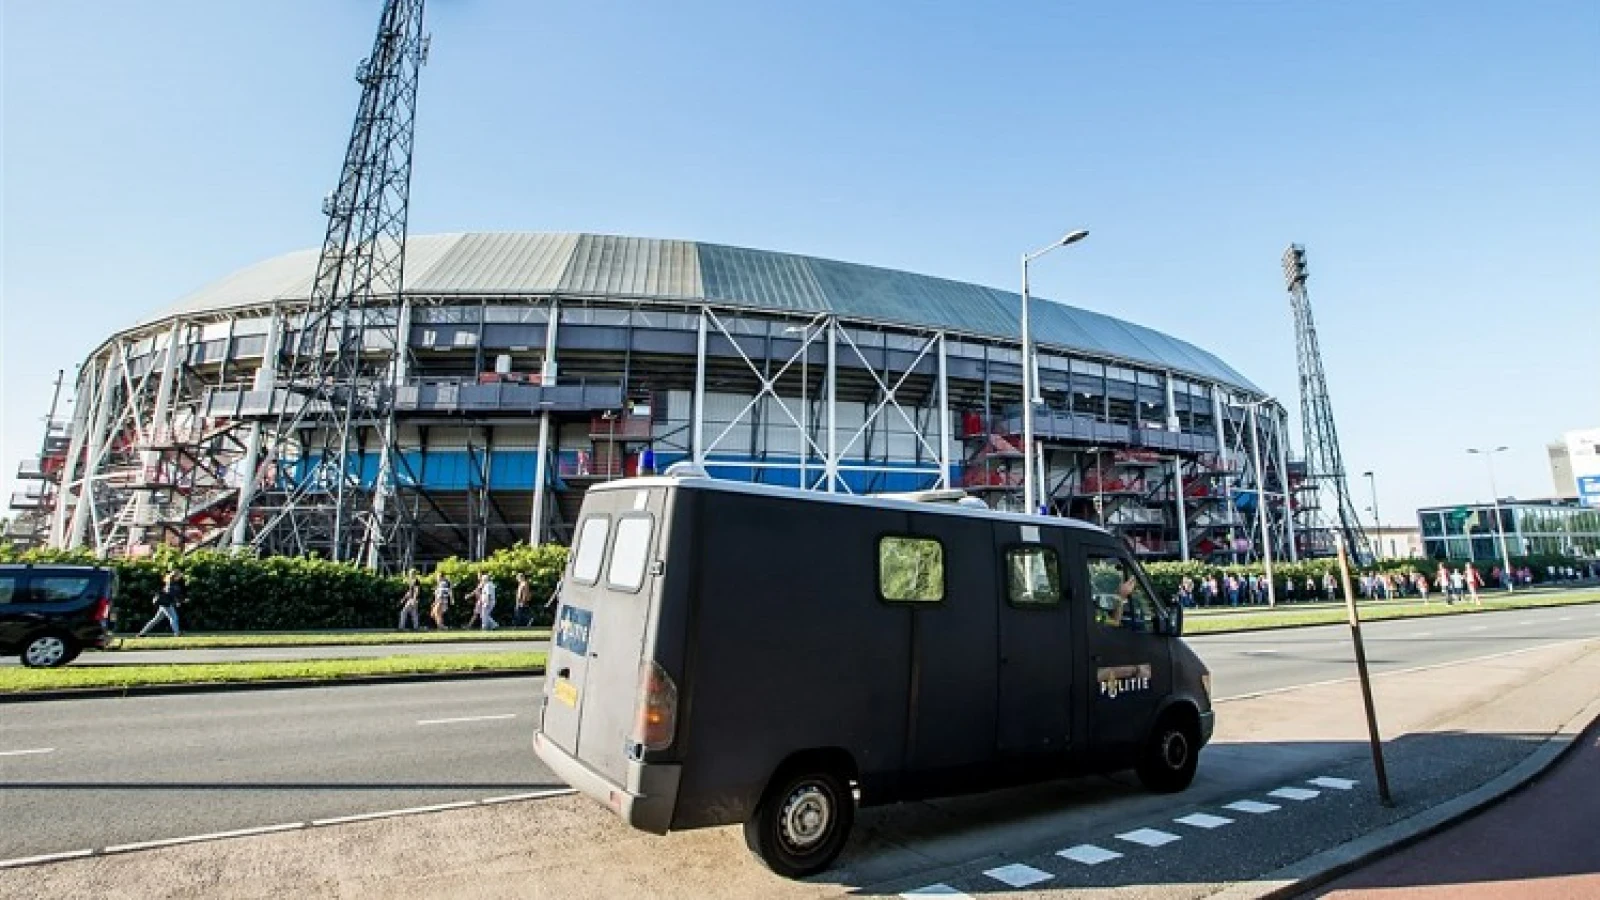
point(607, 266)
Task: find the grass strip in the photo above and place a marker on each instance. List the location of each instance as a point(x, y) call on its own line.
point(17, 679)
point(329, 639)
point(1378, 611)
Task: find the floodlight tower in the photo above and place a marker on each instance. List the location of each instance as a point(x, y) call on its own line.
point(1325, 473)
point(325, 481)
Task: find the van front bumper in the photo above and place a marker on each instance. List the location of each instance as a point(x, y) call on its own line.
point(646, 802)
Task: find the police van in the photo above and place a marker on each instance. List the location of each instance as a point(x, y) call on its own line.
point(736, 653)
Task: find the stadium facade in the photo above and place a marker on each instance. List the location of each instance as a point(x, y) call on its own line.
point(536, 364)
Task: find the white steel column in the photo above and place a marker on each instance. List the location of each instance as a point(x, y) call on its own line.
point(1183, 514)
point(83, 401)
point(97, 440)
point(265, 381)
point(1283, 476)
point(1225, 459)
point(944, 418)
point(832, 465)
point(541, 459)
point(1261, 503)
point(697, 437)
point(159, 430)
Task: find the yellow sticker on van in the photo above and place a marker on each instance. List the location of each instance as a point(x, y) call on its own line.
point(567, 692)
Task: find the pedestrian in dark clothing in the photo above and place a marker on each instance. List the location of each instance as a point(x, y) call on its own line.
point(409, 601)
point(168, 599)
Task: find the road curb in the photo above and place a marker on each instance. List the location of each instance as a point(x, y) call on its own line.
point(1315, 871)
point(270, 684)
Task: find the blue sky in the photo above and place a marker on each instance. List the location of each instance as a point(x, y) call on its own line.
point(1440, 161)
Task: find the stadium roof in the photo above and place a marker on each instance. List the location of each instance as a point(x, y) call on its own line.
point(591, 265)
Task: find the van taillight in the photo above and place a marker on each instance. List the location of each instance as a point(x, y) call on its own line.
point(102, 609)
point(658, 707)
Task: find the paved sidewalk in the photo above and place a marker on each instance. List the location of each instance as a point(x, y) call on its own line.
point(281, 654)
point(1540, 844)
point(1450, 729)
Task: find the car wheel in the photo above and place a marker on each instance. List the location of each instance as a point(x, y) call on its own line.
point(802, 822)
point(46, 651)
point(1170, 757)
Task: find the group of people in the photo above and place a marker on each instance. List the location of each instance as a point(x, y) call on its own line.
point(1454, 584)
point(484, 595)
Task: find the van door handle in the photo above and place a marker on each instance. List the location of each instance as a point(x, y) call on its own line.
point(564, 673)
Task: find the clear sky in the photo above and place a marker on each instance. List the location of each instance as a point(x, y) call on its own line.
point(1440, 161)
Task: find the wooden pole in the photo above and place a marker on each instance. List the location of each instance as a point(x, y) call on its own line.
point(1366, 681)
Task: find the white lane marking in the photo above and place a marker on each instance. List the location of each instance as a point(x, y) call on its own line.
point(1149, 837)
point(1253, 806)
point(1018, 875)
point(196, 838)
point(43, 858)
point(1203, 820)
point(1338, 784)
point(1255, 652)
point(1423, 634)
point(392, 813)
point(1294, 793)
point(1429, 667)
point(936, 890)
point(31, 752)
point(466, 719)
point(532, 795)
point(1534, 621)
point(1564, 619)
point(1088, 854)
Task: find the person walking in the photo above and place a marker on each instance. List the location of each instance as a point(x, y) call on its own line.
point(1328, 586)
point(483, 608)
point(441, 602)
point(1233, 590)
point(1311, 589)
point(1208, 591)
point(1288, 589)
point(1420, 582)
point(1474, 581)
point(1457, 585)
point(168, 599)
point(408, 602)
point(522, 616)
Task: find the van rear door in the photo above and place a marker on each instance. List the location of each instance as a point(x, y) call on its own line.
point(599, 638)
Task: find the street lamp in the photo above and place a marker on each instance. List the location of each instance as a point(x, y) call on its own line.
point(1261, 496)
point(1030, 387)
point(1499, 522)
point(1377, 522)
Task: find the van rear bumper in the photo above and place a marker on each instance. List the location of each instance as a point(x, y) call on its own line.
point(646, 802)
point(1208, 724)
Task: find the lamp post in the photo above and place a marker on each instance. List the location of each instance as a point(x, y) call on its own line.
point(1261, 497)
point(1499, 521)
point(1030, 390)
point(1377, 522)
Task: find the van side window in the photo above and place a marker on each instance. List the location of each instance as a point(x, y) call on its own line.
point(1119, 596)
point(10, 587)
point(60, 588)
point(1033, 577)
point(910, 570)
point(590, 549)
point(628, 553)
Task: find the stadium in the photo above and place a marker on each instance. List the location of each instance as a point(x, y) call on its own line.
point(534, 365)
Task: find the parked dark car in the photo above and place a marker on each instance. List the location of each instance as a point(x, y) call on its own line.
point(49, 613)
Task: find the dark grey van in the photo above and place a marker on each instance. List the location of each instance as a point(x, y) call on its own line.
point(728, 652)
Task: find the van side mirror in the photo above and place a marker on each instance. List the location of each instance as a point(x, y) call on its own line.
point(1175, 620)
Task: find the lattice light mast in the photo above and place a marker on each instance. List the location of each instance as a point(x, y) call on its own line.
point(1325, 474)
point(326, 482)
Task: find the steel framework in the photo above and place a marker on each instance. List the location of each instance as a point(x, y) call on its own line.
point(1325, 477)
point(308, 477)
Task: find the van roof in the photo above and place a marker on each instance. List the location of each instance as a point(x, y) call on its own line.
point(707, 483)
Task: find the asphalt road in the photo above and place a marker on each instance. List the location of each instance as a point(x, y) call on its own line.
point(94, 773)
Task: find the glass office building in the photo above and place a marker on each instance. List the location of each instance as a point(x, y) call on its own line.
point(1535, 527)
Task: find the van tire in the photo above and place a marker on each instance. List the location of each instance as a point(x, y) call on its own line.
point(48, 649)
point(802, 821)
point(1171, 754)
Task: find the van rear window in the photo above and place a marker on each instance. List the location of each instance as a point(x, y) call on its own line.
point(590, 549)
point(629, 552)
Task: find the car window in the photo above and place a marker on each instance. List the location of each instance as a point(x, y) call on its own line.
point(628, 553)
point(1119, 597)
point(1033, 577)
point(590, 549)
point(60, 588)
point(9, 583)
point(910, 570)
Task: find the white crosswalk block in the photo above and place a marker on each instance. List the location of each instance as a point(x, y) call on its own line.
point(1149, 837)
point(1203, 820)
point(1018, 875)
point(1253, 806)
point(1338, 784)
point(936, 890)
point(1088, 854)
point(1294, 793)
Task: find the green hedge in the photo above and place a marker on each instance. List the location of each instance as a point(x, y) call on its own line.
point(1165, 576)
point(287, 593)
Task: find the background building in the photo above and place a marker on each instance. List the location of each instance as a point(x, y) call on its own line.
point(1472, 531)
point(1575, 466)
point(536, 364)
point(1396, 541)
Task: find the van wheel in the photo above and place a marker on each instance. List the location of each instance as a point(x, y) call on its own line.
point(46, 651)
point(1171, 755)
point(802, 822)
